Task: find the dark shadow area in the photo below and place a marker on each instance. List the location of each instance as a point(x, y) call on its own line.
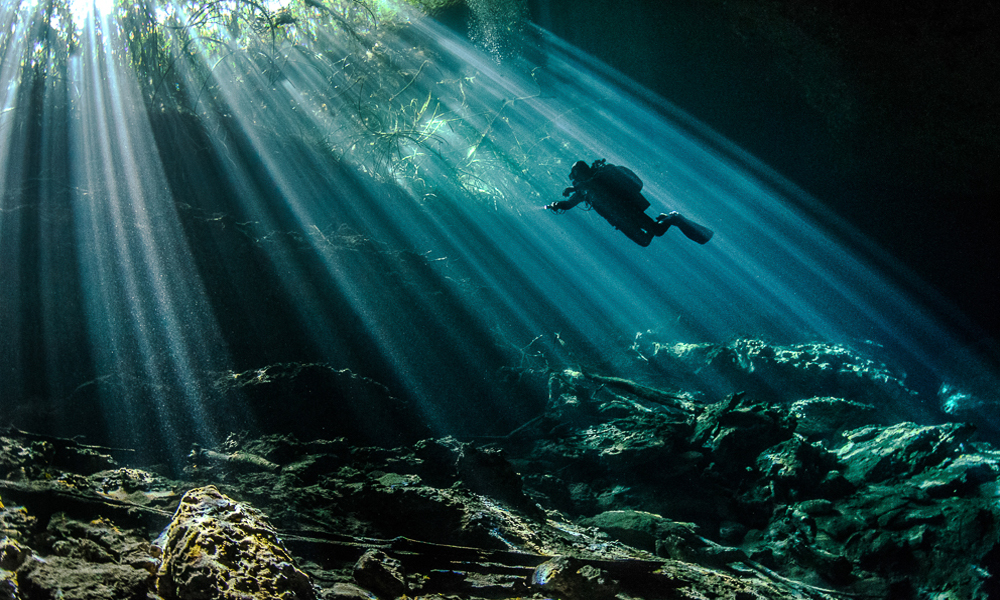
point(886, 112)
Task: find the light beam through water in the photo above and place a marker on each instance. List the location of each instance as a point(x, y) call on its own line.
point(370, 198)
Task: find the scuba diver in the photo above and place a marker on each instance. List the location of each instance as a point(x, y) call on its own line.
point(614, 192)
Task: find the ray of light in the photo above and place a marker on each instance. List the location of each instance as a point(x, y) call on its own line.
point(147, 317)
point(372, 198)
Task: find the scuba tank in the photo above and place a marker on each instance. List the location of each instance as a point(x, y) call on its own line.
point(620, 182)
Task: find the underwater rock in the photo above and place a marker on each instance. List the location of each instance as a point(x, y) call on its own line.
point(796, 470)
point(623, 444)
point(707, 553)
point(8, 586)
point(78, 560)
point(826, 418)
point(777, 373)
point(646, 494)
point(12, 554)
point(594, 395)
point(16, 524)
point(961, 477)
point(874, 454)
point(925, 528)
point(785, 464)
point(657, 535)
point(632, 446)
point(570, 579)
point(99, 541)
point(25, 450)
point(487, 471)
point(136, 487)
point(610, 421)
point(218, 548)
point(636, 528)
point(735, 432)
point(59, 578)
point(384, 575)
point(438, 459)
point(348, 591)
point(338, 402)
point(331, 498)
point(84, 560)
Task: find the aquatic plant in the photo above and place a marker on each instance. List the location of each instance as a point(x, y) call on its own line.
point(363, 87)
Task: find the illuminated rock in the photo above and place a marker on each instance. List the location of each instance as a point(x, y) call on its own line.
point(218, 548)
point(570, 579)
point(64, 577)
point(826, 418)
point(377, 571)
point(874, 454)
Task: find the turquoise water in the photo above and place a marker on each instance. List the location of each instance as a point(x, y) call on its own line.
point(190, 196)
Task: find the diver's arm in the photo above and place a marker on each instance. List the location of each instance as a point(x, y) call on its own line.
point(569, 203)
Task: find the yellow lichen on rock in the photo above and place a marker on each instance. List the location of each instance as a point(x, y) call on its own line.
point(218, 548)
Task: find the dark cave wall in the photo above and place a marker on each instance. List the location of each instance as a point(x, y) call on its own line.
point(887, 112)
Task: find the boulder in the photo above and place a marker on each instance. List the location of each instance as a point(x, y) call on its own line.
point(875, 454)
point(218, 548)
point(377, 571)
point(570, 579)
point(12, 554)
point(487, 471)
point(349, 591)
point(796, 470)
point(828, 417)
point(636, 528)
point(735, 432)
point(8, 586)
point(73, 579)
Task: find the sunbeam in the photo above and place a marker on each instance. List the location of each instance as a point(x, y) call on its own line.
point(434, 290)
point(81, 9)
point(220, 187)
point(146, 311)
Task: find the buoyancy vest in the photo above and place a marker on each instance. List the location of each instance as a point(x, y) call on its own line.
point(620, 183)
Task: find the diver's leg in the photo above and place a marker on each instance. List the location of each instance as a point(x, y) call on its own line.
point(645, 228)
point(643, 238)
point(634, 225)
point(693, 231)
point(661, 224)
point(637, 230)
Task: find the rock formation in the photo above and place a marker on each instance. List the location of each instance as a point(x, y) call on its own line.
point(216, 547)
point(619, 489)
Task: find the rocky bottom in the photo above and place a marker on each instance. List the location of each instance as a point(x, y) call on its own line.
point(618, 490)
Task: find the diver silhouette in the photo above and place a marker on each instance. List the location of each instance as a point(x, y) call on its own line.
point(615, 193)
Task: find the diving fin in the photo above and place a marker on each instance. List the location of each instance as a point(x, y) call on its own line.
point(693, 231)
